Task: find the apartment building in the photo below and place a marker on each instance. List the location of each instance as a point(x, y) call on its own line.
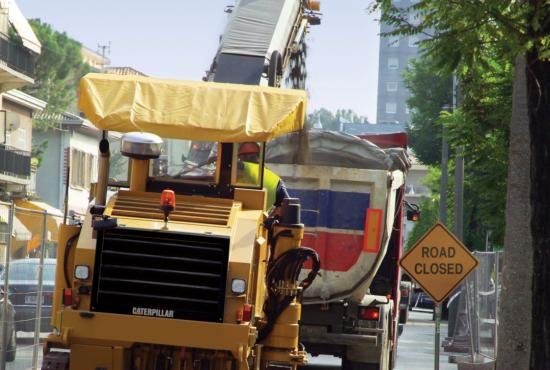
point(395, 55)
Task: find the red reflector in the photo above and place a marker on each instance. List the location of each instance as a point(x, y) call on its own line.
point(371, 313)
point(247, 312)
point(67, 297)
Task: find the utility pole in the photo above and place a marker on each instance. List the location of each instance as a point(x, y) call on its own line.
point(104, 50)
point(444, 174)
point(459, 181)
point(443, 220)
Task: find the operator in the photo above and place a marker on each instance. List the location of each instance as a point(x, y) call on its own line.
point(249, 159)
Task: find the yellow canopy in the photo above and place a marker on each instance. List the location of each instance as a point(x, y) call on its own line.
point(206, 111)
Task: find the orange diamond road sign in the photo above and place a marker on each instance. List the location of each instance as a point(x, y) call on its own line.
point(438, 262)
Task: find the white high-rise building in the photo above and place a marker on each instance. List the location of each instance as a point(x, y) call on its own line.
point(394, 57)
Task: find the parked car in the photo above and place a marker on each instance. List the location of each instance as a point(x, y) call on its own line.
point(23, 292)
point(405, 301)
point(12, 343)
point(421, 300)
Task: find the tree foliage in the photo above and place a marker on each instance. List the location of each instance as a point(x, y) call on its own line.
point(57, 72)
point(429, 207)
point(331, 121)
point(469, 35)
point(430, 90)
point(480, 126)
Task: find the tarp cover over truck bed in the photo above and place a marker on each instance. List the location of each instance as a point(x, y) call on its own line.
point(330, 148)
point(347, 188)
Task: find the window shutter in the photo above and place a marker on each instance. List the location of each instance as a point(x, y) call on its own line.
point(66, 164)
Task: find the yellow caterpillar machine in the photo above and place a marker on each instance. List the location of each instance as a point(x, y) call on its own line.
point(182, 270)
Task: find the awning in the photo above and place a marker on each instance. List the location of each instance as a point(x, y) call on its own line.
point(33, 221)
point(206, 111)
point(19, 231)
point(23, 28)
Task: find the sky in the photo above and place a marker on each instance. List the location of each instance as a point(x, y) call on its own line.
point(178, 39)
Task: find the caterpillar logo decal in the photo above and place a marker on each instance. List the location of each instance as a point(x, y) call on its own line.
point(155, 312)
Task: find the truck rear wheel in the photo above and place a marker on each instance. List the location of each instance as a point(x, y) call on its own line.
point(352, 365)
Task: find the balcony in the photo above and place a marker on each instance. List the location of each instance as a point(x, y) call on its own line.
point(15, 165)
point(17, 57)
point(16, 65)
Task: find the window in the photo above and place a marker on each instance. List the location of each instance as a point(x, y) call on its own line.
point(413, 41)
point(391, 86)
point(391, 108)
point(186, 160)
point(393, 41)
point(83, 169)
point(393, 63)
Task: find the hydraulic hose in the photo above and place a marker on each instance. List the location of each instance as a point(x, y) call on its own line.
point(286, 267)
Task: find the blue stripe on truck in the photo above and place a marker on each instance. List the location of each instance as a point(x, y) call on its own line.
point(332, 209)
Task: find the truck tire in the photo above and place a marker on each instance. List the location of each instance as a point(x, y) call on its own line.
point(352, 365)
point(385, 356)
point(275, 69)
point(403, 316)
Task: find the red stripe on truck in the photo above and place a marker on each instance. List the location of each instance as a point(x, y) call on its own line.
point(337, 252)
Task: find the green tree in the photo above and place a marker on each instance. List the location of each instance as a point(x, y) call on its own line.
point(479, 125)
point(331, 121)
point(429, 207)
point(518, 31)
point(57, 72)
point(430, 90)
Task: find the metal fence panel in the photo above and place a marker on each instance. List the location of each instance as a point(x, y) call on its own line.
point(476, 326)
point(28, 247)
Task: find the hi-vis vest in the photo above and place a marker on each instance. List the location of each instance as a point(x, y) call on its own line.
point(249, 175)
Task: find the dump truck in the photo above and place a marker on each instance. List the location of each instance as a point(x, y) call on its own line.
point(351, 192)
point(181, 269)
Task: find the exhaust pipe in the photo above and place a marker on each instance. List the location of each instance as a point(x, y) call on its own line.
point(103, 171)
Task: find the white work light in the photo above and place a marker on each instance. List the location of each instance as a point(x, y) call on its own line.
point(82, 272)
point(238, 286)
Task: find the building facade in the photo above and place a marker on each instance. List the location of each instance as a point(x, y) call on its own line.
point(19, 48)
point(72, 152)
point(394, 57)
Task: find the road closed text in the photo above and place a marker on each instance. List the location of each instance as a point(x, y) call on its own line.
point(438, 267)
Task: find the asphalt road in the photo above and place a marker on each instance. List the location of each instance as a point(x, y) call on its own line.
point(416, 346)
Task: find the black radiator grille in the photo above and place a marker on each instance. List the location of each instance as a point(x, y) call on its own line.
point(160, 273)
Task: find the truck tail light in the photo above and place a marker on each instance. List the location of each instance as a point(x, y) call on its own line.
point(369, 313)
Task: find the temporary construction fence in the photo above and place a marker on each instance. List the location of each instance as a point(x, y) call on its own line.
point(28, 247)
point(475, 331)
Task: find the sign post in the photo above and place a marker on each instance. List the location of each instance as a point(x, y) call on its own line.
point(437, 309)
point(438, 262)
